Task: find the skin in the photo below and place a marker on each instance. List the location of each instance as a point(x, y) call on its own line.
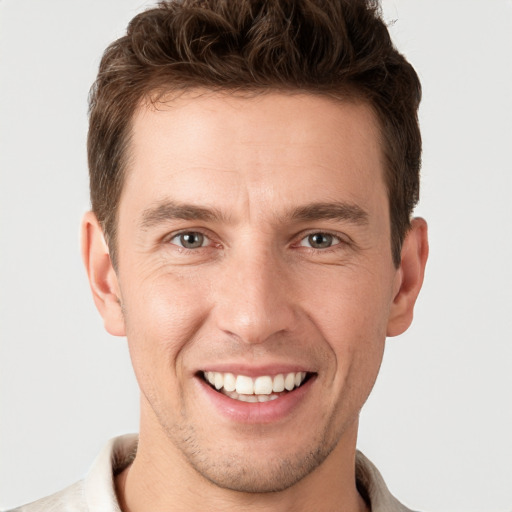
point(258, 293)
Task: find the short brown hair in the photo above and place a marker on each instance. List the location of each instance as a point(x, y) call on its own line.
point(338, 48)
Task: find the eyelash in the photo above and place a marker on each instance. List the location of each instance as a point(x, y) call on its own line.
point(172, 236)
point(337, 241)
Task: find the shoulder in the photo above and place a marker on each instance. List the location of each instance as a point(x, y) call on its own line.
point(372, 487)
point(70, 499)
point(95, 493)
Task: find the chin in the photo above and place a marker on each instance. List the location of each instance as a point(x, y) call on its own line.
point(259, 466)
point(248, 476)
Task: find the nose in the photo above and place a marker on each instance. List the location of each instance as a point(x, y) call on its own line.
point(254, 299)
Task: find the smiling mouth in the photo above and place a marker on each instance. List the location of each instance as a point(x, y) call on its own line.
point(259, 389)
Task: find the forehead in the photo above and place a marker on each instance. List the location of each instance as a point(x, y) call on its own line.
point(273, 148)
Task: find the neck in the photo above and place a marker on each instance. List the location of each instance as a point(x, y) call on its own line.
point(161, 479)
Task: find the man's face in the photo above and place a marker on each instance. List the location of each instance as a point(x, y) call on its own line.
point(254, 240)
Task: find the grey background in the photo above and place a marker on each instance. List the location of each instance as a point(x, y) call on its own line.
point(439, 422)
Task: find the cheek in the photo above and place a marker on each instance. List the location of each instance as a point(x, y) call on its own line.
point(351, 313)
point(351, 305)
point(162, 314)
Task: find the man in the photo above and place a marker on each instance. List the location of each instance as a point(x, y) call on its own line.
point(253, 167)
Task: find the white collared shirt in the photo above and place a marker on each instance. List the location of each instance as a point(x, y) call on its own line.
point(96, 492)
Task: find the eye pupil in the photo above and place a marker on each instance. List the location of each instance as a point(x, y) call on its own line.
point(191, 240)
point(320, 240)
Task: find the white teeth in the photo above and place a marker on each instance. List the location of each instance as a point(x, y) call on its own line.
point(229, 382)
point(243, 398)
point(248, 398)
point(278, 384)
point(244, 385)
point(263, 386)
point(289, 381)
point(247, 389)
point(299, 377)
point(266, 398)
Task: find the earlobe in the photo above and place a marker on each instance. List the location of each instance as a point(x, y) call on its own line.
point(102, 276)
point(409, 277)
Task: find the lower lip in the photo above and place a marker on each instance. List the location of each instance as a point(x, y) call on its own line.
point(257, 412)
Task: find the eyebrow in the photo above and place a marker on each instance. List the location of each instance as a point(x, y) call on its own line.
point(336, 211)
point(170, 210)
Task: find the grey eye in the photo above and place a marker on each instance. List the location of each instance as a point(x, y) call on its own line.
point(190, 240)
point(319, 241)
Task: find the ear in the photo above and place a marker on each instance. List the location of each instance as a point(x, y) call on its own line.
point(409, 277)
point(102, 276)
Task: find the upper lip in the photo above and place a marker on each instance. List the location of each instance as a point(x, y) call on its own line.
point(255, 371)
